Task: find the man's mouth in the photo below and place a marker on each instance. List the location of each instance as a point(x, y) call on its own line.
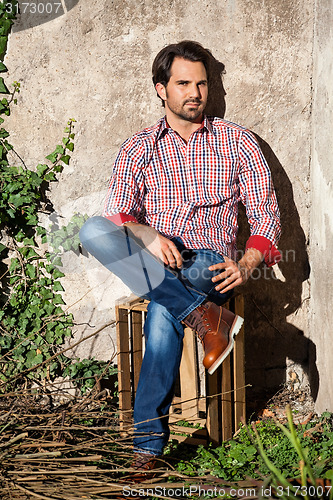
point(192, 103)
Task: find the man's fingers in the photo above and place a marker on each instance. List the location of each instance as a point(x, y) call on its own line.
point(226, 273)
point(222, 276)
point(170, 258)
point(220, 265)
point(172, 255)
point(176, 254)
point(230, 277)
point(225, 288)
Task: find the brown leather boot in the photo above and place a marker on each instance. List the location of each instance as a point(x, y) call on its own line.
point(216, 327)
point(143, 465)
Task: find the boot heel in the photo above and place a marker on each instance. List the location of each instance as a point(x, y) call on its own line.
point(235, 328)
point(237, 325)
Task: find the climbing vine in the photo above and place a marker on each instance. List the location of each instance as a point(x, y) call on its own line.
point(33, 323)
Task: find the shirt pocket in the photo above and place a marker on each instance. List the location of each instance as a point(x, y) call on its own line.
point(217, 181)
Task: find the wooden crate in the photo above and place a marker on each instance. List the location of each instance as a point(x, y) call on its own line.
point(215, 402)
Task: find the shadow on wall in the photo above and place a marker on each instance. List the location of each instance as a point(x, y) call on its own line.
point(270, 338)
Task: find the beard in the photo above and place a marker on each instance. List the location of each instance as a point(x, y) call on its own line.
point(185, 111)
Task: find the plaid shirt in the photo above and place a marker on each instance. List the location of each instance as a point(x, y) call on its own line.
point(191, 190)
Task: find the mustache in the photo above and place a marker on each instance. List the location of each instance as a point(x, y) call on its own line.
point(195, 101)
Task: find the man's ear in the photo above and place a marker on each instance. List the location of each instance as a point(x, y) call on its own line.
point(160, 89)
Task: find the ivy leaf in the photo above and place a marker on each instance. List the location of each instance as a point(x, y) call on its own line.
point(52, 157)
point(31, 271)
point(65, 159)
point(41, 230)
point(3, 133)
point(3, 44)
point(58, 300)
point(5, 26)
point(50, 176)
point(59, 150)
point(41, 169)
point(32, 220)
point(29, 241)
point(57, 286)
point(57, 274)
point(58, 168)
point(57, 261)
point(2, 67)
point(2, 248)
point(3, 88)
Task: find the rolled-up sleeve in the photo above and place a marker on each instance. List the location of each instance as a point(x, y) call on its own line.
point(258, 196)
point(124, 198)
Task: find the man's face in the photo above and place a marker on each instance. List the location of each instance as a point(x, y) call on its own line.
point(186, 93)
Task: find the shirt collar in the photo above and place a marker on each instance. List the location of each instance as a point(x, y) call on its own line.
point(164, 126)
point(206, 124)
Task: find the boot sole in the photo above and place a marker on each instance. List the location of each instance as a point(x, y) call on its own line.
point(235, 328)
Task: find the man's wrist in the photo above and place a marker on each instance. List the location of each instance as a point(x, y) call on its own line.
point(250, 261)
point(135, 227)
point(129, 224)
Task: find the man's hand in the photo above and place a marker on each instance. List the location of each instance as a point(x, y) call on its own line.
point(236, 273)
point(161, 247)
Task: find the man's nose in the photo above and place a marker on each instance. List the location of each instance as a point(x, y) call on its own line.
point(195, 91)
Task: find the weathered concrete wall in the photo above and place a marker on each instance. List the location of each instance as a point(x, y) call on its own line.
point(93, 63)
point(321, 239)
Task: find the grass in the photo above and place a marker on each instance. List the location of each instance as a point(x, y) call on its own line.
point(240, 457)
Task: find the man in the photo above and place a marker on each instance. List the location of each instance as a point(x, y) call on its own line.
point(169, 230)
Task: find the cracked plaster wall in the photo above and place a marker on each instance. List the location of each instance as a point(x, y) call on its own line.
point(93, 63)
point(321, 238)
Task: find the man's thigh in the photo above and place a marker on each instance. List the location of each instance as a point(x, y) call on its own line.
point(196, 273)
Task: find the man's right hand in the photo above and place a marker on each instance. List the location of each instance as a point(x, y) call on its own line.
point(160, 246)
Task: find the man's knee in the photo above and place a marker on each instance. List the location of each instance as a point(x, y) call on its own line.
point(96, 227)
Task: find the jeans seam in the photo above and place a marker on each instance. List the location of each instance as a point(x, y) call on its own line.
point(191, 308)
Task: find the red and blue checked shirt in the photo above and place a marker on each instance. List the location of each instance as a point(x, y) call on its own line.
point(191, 190)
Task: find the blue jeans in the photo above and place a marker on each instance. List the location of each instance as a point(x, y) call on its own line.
point(173, 295)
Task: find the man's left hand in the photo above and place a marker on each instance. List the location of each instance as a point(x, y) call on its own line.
point(236, 273)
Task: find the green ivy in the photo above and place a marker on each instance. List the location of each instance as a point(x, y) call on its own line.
point(66, 238)
point(33, 323)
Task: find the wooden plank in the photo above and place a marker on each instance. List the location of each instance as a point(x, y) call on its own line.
point(213, 413)
point(190, 440)
point(136, 335)
point(175, 418)
point(226, 401)
point(188, 377)
point(141, 306)
point(188, 430)
point(123, 362)
point(132, 302)
point(239, 367)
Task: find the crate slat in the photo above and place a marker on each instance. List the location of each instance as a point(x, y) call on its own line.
point(123, 362)
point(188, 377)
point(239, 368)
point(136, 326)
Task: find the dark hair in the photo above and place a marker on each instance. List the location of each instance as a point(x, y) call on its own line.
point(191, 51)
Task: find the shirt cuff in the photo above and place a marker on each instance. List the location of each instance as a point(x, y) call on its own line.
point(120, 219)
point(265, 246)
